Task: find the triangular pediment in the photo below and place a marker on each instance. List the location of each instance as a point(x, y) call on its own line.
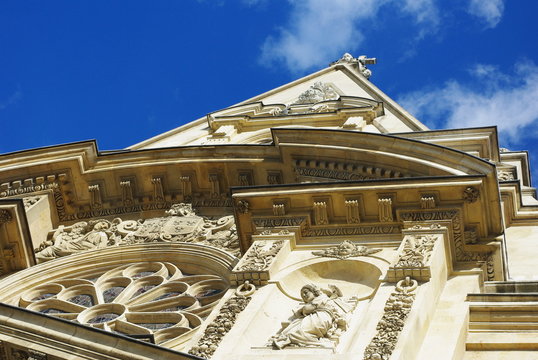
point(339, 96)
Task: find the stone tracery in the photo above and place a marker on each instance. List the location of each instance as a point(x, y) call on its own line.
point(156, 299)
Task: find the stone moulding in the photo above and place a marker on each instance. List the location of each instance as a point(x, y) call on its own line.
point(388, 329)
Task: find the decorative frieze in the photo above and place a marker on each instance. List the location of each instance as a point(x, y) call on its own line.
point(345, 250)
point(358, 229)
point(313, 169)
point(158, 190)
point(320, 213)
point(126, 193)
point(352, 212)
point(385, 209)
point(279, 222)
point(180, 225)
point(397, 308)
point(96, 200)
point(223, 323)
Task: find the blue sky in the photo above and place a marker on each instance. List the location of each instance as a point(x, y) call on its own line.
point(123, 71)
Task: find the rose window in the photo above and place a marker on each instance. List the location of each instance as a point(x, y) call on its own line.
point(143, 300)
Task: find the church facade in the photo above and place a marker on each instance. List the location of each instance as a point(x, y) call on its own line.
point(319, 220)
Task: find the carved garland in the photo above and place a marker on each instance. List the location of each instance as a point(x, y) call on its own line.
point(222, 324)
point(397, 308)
point(258, 258)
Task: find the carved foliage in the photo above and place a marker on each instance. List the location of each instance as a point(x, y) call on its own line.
point(471, 194)
point(397, 308)
point(222, 324)
point(260, 255)
point(345, 250)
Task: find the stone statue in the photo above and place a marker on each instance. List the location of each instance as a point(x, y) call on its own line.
point(319, 322)
point(75, 238)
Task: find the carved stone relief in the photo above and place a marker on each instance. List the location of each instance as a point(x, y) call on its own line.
point(312, 170)
point(5, 216)
point(222, 324)
point(260, 255)
point(180, 225)
point(243, 206)
point(471, 194)
point(455, 216)
point(316, 93)
point(319, 322)
point(158, 190)
point(346, 250)
point(397, 308)
point(360, 62)
point(503, 175)
point(96, 200)
point(416, 251)
point(126, 193)
point(352, 212)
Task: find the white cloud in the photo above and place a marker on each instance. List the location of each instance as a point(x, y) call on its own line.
point(496, 98)
point(490, 11)
point(320, 31)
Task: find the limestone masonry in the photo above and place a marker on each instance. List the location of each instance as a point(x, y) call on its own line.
point(319, 220)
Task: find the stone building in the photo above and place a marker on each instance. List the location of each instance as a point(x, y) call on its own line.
point(319, 220)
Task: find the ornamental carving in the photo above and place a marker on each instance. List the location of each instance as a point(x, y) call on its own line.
point(5, 216)
point(180, 224)
point(360, 62)
point(417, 251)
point(157, 299)
point(397, 308)
point(316, 93)
point(260, 255)
point(346, 250)
point(222, 324)
point(355, 229)
point(243, 207)
point(503, 175)
point(471, 194)
point(457, 230)
point(319, 322)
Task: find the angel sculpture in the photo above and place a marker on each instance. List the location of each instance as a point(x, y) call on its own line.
point(319, 322)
